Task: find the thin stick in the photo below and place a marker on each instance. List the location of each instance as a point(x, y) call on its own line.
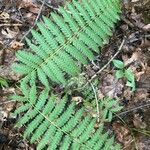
point(10, 25)
point(39, 13)
point(105, 66)
point(97, 105)
point(133, 109)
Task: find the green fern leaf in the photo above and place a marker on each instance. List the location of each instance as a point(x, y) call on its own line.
point(50, 124)
point(59, 44)
point(75, 34)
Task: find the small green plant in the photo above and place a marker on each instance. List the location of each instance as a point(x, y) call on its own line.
point(123, 72)
point(3, 82)
point(109, 107)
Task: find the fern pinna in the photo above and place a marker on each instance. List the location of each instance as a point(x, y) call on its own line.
point(74, 35)
point(57, 124)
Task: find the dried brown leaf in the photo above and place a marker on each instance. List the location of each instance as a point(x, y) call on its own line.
point(146, 27)
point(137, 121)
point(16, 45)
point(9, 33)
point(111, 87)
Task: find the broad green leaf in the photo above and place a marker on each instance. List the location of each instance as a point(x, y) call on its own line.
point(118, 64)
point(131, 84)
point(119, 74)
point(129, 74)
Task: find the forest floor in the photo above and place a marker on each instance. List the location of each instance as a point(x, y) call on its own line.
point(132, 125)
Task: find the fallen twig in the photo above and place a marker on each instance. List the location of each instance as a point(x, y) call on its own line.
point(97, 105)
point(10, 25)
point(133, 109)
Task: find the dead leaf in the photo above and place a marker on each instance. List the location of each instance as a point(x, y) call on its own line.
point(144, 81)
point(132, 59)
point(26, 4)
point(139, 71)
point(123, 134)
point(141, 95)
point(30, 17)
point(34, 9)
point(145, 43)
point(16, 45)
point(9, 33)
point(4, 16)
point(77, 99)
point(143, 142)
point(111, 86)
point(100, 94)
point(137, 121)
point(146, 27)
point(127, 93)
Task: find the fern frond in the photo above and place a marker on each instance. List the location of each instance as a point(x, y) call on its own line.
point(72, 35)
point(57, 124)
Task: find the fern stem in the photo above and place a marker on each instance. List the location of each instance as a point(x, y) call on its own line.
point(97, 105)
